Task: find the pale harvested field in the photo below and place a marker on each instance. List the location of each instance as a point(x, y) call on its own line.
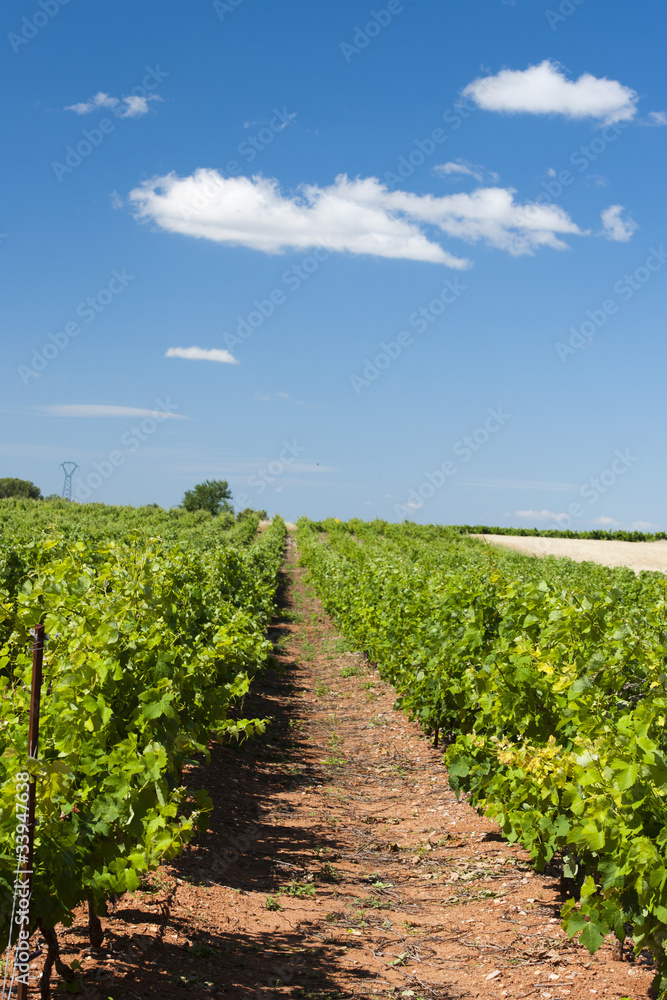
point(636, 555)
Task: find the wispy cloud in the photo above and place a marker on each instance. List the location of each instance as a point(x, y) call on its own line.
point(518, 484)
point(545, 89)
point(202, 354)
point(270, 397)
point(285, 119)
point(360, 216)
point(594, 180)
point(122, 107)
point(539, 515)
point(616, 228)
point(655, 118)
point(102, 410)
point(466, 169)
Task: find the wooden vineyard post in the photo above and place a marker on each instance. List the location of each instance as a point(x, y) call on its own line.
point(33, 742)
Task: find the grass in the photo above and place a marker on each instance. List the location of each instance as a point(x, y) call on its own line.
point(328, 873)
point(204, 951)
point(272, 903)
point(295, 617)
point(301, 890)
point(335, 740)
point(377, 883)
point(308, 651)
point(321, 689)
point(350, 672)
point(154, 883)
point(335, 762)
point(374, 903)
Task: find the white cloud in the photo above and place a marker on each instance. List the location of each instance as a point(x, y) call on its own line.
point(539, 515)
point(123, 107)
point(137, 106)
point(606, 522)
point(100, 100)
point(99, 410)
point(545, 89)
point(359, 216)
point(616, 228)
point(458, 167)
point(656, 118)
point(201, 354)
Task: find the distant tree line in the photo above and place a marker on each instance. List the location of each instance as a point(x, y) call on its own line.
point(607, 536)
point(213, 495)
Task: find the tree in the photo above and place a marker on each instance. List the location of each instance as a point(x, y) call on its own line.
point(213, 495)
point(250, 512)
point(19, 488)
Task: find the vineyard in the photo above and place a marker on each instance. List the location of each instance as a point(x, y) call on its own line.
point(156, 626)
point(544, 680)
point(541, 681)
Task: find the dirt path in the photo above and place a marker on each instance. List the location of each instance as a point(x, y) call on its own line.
point(339, 864)
point(636, 555)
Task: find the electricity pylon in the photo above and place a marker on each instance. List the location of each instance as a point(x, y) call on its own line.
point(69, 468)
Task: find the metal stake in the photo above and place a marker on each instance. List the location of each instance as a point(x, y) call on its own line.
point(33, 741)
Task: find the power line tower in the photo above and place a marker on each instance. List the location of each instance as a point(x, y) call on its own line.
point(69, 468)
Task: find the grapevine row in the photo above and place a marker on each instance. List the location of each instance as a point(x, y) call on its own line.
point(547, 679)
point(153, 646)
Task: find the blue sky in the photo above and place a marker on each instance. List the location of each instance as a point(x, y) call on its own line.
point(402, 260)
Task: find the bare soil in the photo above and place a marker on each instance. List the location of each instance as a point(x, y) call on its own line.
point(339, 864)
point(636, 555)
